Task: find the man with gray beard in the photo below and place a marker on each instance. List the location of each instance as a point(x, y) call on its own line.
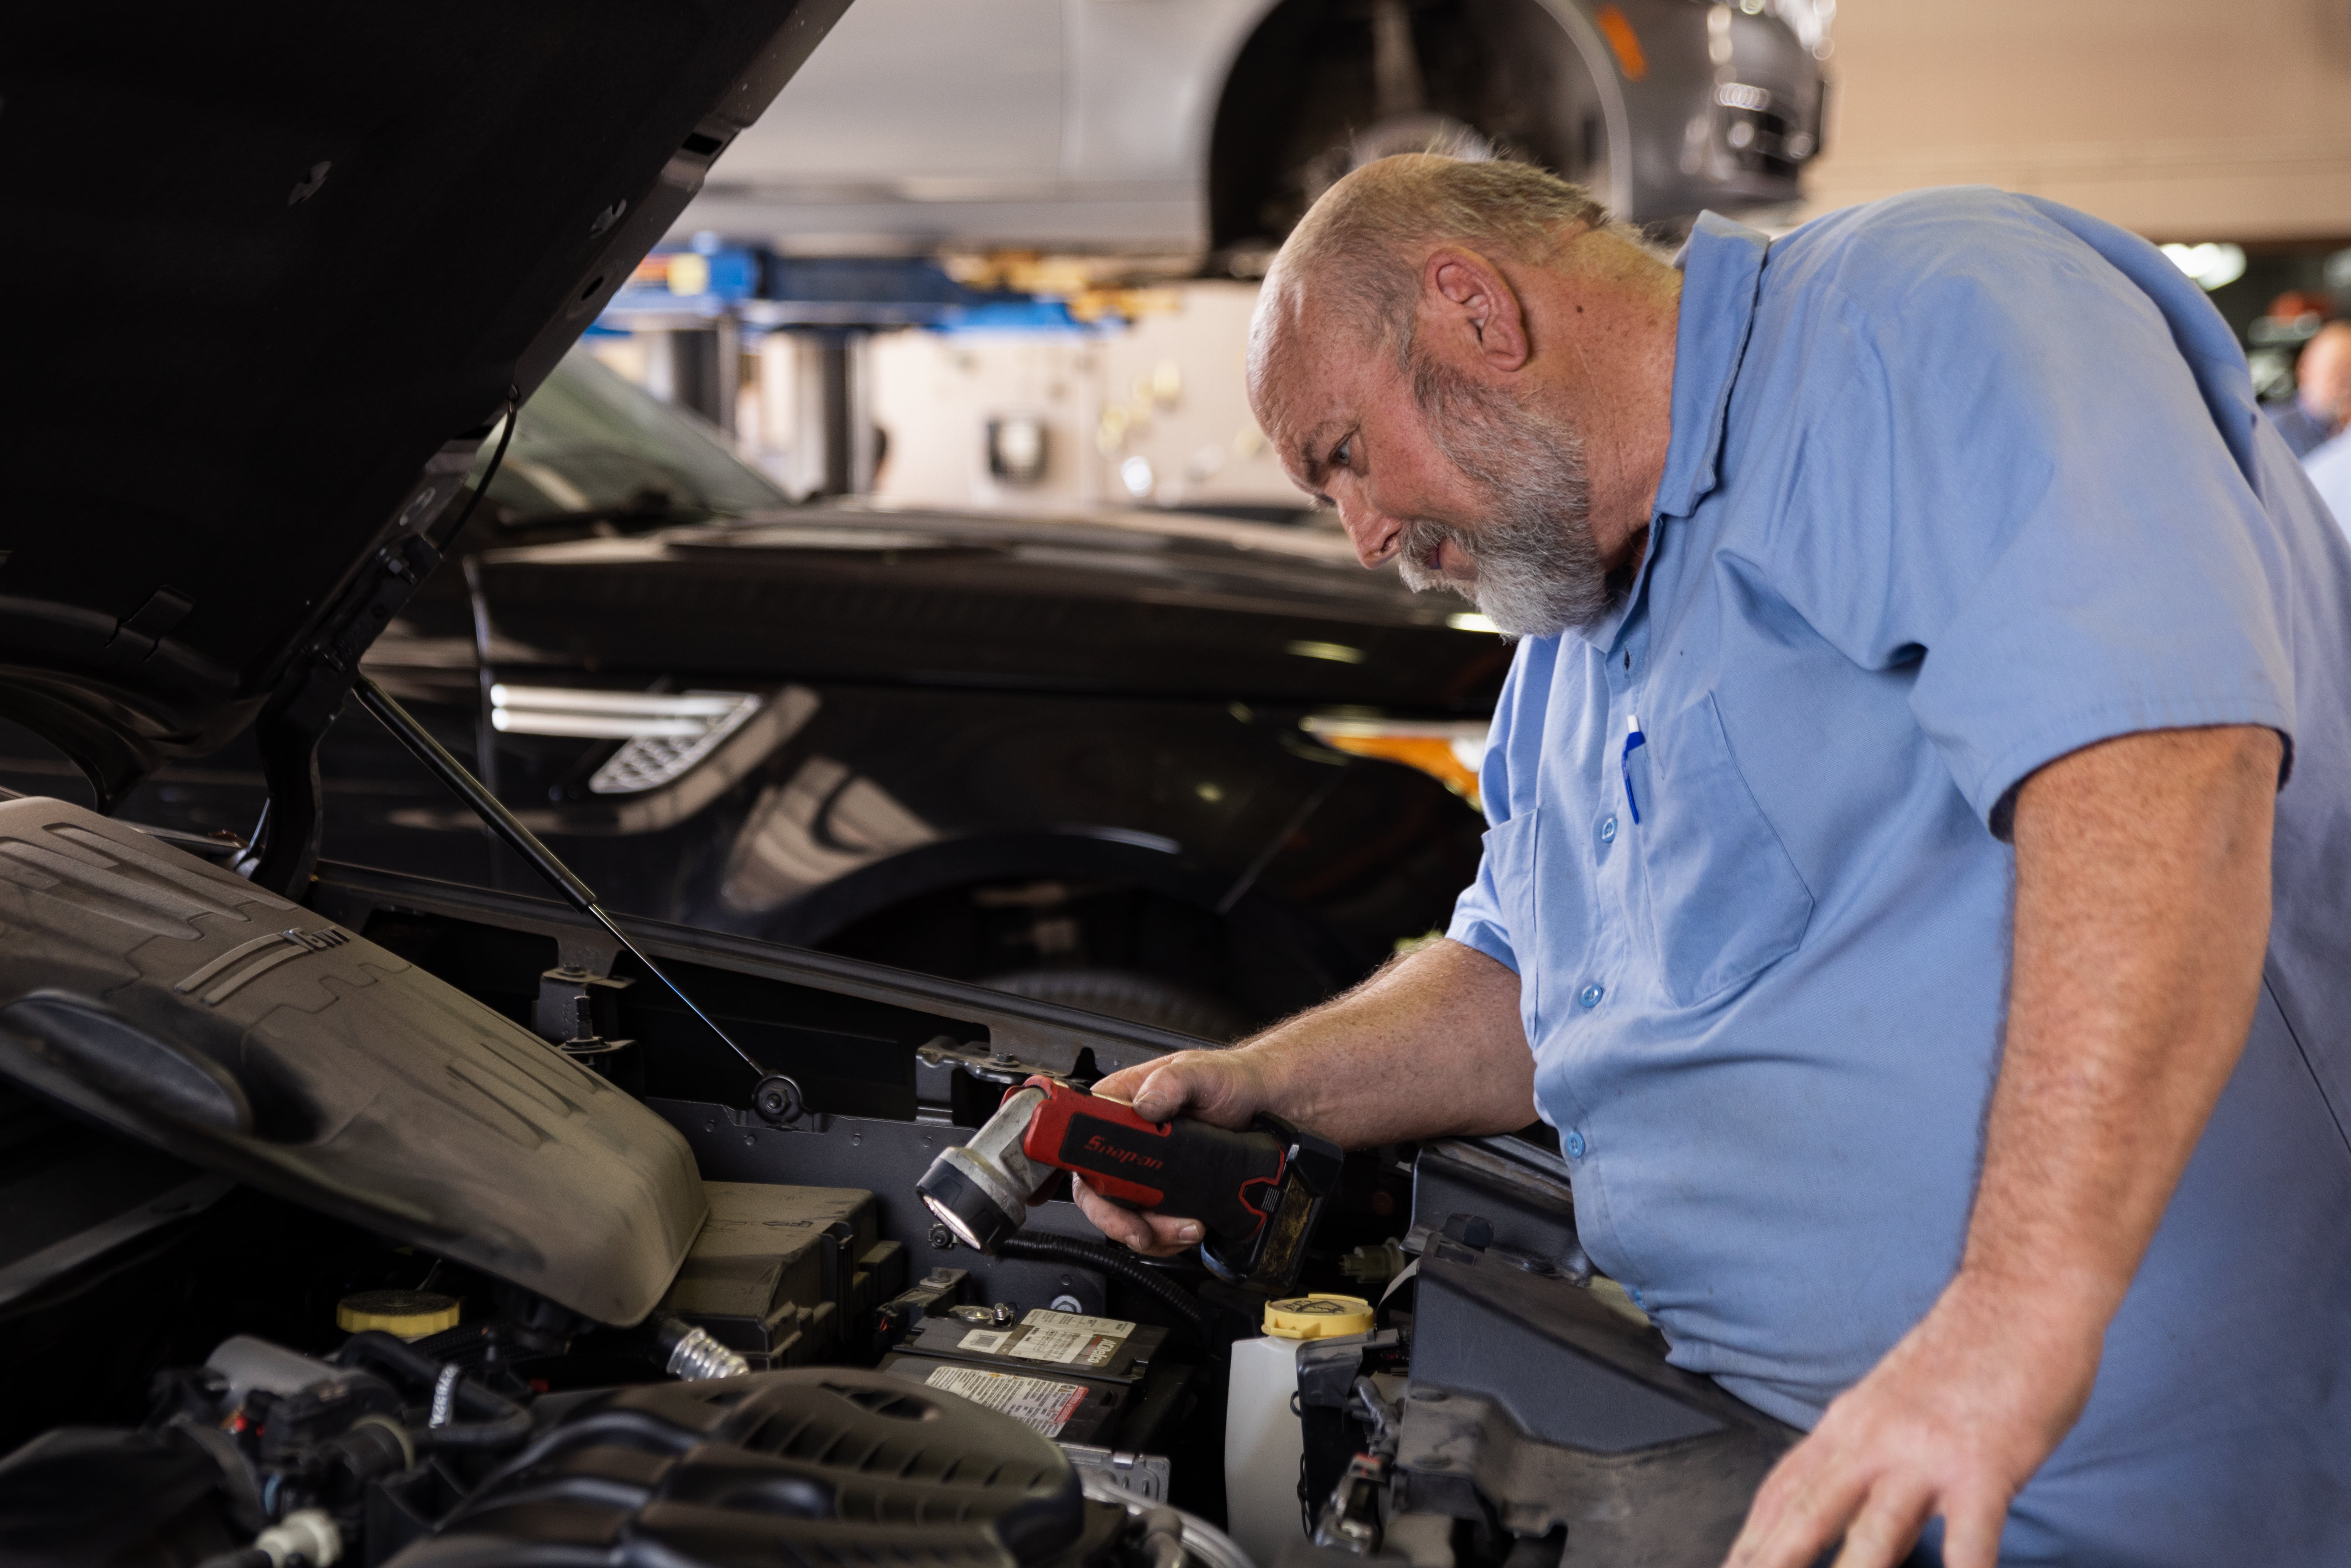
point(1537, 566)
point(1921, 818)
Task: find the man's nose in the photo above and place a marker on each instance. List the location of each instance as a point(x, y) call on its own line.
point(1375, 534)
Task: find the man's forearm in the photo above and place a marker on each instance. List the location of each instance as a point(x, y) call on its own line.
point(2142, 917)
point(1430, 1044)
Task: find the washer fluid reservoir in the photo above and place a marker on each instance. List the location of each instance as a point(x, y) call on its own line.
point(1263, 1449)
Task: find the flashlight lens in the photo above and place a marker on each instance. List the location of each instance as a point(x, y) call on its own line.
point(954, 1222)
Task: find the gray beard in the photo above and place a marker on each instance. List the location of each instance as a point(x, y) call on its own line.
point(1540, 573)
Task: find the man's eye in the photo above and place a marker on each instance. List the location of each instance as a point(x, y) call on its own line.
point(1343, 454)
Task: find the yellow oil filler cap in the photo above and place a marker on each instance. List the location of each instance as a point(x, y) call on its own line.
point(410, 1314)
point(1317, 1316)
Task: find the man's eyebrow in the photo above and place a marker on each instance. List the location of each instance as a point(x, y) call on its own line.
point(1309, 454)
point(1312, 482)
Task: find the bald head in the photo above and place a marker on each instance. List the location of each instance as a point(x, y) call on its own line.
point(1351, 265)
point(1459, 359)
point(2323, 375)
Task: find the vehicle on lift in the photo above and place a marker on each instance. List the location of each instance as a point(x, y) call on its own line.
point(1117, 762)
point(347, 1214)
point(1208, 127)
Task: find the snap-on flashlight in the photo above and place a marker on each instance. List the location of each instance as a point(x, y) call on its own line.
point(1255, 1193)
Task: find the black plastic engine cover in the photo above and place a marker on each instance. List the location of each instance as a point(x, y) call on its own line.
point(1534, 1404)
point(180, 1005)
point(816, 1464)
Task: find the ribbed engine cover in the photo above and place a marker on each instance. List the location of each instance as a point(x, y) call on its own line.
point(173, 1001)
point(816, 1466)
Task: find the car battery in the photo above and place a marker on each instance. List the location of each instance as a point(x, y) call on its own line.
point(1076, 1379)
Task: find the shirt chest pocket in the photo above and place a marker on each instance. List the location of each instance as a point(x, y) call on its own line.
point(1724, 899)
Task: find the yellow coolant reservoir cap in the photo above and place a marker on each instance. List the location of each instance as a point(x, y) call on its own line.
point(1317, 1316)
point(410, 1314)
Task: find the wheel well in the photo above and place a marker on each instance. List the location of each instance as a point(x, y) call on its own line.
point(1257, 962)
point(1311, 79)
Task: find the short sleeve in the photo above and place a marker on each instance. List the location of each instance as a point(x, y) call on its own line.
point(2020, 489)
point(1479, 918)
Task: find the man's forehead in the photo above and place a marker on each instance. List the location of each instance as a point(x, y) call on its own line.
point(1312, 377)
point(1306, 428)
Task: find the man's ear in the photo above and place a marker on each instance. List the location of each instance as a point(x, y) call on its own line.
point(1465, 296)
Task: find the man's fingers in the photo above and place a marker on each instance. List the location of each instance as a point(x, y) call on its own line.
point(1122, 1084)
point(1174, 1232)
point(1971, 1529)
point(1889, 1523)
point(1225, 1088)
point(1120, 1225)
point(1803, 1506)
point(1178, 1083)
point(1156, 1235)
point(1160, 1089)
point(1783, 1491)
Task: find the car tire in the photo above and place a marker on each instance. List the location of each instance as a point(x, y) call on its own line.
point(1125, 994)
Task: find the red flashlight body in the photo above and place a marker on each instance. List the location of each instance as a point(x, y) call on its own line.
point(1229, 1181)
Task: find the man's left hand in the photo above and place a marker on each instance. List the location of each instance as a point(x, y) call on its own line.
point(1953, 1422)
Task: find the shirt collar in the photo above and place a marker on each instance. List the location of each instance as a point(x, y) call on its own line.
point(1722, 268)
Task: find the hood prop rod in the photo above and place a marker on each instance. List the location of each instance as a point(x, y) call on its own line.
point(435, 757)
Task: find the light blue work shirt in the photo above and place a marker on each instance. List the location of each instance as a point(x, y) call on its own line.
point(1958, 482)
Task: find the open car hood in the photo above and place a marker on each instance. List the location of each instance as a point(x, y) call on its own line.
point(310, 250)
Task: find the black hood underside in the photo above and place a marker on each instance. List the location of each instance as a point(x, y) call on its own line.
point(294, 259)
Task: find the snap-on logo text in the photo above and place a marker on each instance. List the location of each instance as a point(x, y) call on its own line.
point(1094, 1144)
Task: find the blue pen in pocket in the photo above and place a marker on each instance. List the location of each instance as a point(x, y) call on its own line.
point(1633, 739)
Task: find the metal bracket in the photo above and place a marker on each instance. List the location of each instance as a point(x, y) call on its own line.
point(1143, 1476)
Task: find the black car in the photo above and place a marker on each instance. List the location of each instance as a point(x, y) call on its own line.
point(1116, 761)
point(352, 1215)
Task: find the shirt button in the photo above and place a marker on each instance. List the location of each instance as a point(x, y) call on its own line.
point(1608, 832)
point(1590, 996)
point(1573, 1144)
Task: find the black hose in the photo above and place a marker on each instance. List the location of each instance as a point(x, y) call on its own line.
point(498, 1422)
point(458, 1550)
point(1110, 1260)
point(620, 1428)
point(588, 1491)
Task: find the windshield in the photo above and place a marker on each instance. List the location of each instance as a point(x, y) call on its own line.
point(590, 441)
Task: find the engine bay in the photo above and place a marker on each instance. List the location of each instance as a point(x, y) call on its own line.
point(404, 1226)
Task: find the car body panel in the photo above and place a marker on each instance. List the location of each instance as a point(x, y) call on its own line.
point(1312, 863)
point(978, 703)
point(938, 600)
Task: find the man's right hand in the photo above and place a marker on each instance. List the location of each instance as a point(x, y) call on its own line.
point(1223, 1088)
point(1429, 1045)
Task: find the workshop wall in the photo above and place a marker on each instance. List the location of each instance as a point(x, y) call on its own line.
point(2180, 119)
